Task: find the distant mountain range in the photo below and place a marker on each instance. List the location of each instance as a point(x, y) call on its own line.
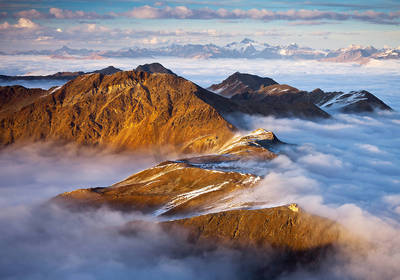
point(247, 48)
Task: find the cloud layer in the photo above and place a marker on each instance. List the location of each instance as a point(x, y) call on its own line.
point(183, 12)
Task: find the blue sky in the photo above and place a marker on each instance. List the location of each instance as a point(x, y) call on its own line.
point(128, 23)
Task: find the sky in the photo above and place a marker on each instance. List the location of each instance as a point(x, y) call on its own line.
point(105, 24)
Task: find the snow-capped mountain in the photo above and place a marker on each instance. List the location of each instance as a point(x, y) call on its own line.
point(247, 48)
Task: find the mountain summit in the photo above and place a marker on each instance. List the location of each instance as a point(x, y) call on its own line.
point(240, 83)
point(154, 68)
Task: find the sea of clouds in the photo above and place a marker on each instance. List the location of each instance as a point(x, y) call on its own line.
point(346, 168)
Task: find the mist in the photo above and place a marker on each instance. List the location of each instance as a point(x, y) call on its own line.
point(40, 240)
point(346, 169)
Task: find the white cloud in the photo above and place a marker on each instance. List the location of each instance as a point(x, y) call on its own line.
point(23, 23)
point(182, 12)
point(31, 14)
point(370, 148)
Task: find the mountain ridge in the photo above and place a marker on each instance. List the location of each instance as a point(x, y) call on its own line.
point(247, 48)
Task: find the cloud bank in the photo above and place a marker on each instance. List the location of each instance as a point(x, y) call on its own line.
point(183, 12)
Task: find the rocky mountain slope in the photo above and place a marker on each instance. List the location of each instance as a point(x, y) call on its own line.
point(124, 110)
point(14, 98)
point(285, 227)
point(185, 186)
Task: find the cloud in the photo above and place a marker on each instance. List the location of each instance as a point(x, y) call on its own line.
point(57, 13)
point(40, 240)
point(182, 12)
point(296, 23)
point(310, 17)
point(31, 14)
point(370, 148)
point(23, 23)
point(68, 14)
point(327, 176)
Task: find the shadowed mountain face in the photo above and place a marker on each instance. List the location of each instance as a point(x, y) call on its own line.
point(124, 110)
point(154, 68)
point(185, 186)
point(239, 83)
point(286, 101)
point(280, 100)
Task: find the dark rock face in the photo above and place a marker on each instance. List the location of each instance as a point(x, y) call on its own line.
point(240, 83)
point(286, 101)
point(154, 68)
point(107, 71)
point(281, 101)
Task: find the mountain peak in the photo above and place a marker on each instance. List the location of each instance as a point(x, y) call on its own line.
point(108, 70)
point(154, 68)
point(247, 41)
point(65, 48)
point(240, 83)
